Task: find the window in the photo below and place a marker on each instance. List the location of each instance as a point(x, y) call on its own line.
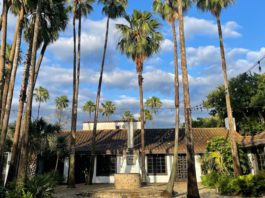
point(106, 165)
point(156, 164)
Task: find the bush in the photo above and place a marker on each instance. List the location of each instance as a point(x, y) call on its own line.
point(41, 186)
point(2, 191)
point(210, 179)
point(244, 185)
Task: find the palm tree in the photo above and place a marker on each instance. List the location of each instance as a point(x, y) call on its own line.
point(3, 48)
point(127, 116)
point(153, 104)
point(25, 133)
point(112, 9)
point(62, 103)
point(80, 8)
point(89, 107)
point(192, 181)
point(147, 115)
point(215, 7)
point(168, 10)
point(139, 41)
point(41, 95)
point(53, 20)
point(108, 108)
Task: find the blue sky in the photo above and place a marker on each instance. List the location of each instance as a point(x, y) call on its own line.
point(244, 38)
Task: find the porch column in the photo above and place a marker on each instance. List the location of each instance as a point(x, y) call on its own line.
point(198, 167)
point(66, 169)
point(254, 163)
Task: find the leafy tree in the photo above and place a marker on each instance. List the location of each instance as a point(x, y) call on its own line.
point(41, 95)
point(140, 39)
point(108, 108)
point(218, 157)
point(247, 98)
point(127, 116)
point(211, 122)
point(89, 107)
point(216, 7)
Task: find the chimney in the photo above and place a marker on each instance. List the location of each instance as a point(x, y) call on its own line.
point(130, 132)
point(227, 124)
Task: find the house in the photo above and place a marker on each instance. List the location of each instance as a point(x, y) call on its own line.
point(118, 148)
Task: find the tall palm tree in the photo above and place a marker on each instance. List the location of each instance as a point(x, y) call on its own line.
point(19, 11)
point(108, 108)
point(57, 20)
point(41, 95)
point(44, 13)
point(112, 9)
point(25, 133)
point(192, 181)
point(139, 41)
point(3, 48)
point(13, 60)
point(153, 103)
point(61, 103)
point(127, 116)
point(80, 8)
point(168, 10)
point(215, 7)
point(89, 107)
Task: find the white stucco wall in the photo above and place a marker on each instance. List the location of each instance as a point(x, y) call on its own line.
point(198, 168)
point(110, 125)
point(66, 169)
point(122, 167)
point(6, 169)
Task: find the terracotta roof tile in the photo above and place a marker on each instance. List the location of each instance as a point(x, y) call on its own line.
point(156, 140)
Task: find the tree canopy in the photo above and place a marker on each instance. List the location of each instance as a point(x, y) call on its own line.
point(247, 98)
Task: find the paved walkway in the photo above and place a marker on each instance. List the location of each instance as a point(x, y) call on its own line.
point(180, 187)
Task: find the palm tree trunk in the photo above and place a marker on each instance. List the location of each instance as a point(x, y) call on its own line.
point(11, 86)
point(3, 53)
point(22, 98)
point(71, 175)
point(173, 174)
point(37, 67)
point(24, 149)
point(192, 186)
point(38, 109)
point(140, 83)
point(9, 64)
point(236, 163)
point(56, 163)
point(92, 159)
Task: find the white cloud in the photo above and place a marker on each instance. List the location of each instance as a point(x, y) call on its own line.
point(196, 26)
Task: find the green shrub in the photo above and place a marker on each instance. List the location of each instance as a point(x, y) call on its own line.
point(210, 179)
point(244, 185)
point(2, 191)
point(41, 186)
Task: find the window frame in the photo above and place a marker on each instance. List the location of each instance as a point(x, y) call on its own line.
point(153, 159)
point(111, 173)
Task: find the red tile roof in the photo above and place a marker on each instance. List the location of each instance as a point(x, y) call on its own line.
point(156, 140)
